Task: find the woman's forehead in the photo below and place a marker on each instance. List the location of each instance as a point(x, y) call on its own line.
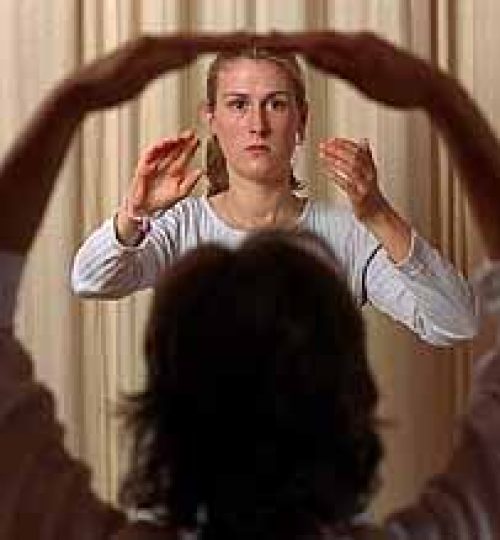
point(245, 73)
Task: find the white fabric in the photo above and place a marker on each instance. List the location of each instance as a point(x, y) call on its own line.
point(424, 292)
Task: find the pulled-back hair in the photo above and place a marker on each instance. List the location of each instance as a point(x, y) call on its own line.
point(216, 169)
point(259, 406)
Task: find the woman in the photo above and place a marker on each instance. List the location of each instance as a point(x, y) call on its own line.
point(256, 110)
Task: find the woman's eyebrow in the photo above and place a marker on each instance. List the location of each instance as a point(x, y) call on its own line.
point(274, 93)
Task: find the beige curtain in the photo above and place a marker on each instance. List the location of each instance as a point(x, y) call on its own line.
point(90, 352)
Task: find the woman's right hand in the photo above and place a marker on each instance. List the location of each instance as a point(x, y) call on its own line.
point(161, 179)
point(162, 176)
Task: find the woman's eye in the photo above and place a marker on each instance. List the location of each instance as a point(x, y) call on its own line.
point(237, 104)
point(278, 104)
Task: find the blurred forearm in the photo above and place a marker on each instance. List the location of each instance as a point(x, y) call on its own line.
point(476, 151)
point(30, 167)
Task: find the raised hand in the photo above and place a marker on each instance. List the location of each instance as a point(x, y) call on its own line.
point(350, 165)
point(377, 68)
point(161, 179)
point(162, 176)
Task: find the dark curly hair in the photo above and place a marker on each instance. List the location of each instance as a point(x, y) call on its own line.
point(258, 415)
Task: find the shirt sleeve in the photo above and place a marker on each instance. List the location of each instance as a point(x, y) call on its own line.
point(424, 292)
point(464, 501)
point(105, 268)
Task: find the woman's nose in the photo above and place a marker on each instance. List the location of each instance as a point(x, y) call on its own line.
point(258, 120)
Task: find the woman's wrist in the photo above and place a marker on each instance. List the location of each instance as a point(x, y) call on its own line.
point(392, 231)
point(130, 227)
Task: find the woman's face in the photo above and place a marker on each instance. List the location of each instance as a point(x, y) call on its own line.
point(256, 119)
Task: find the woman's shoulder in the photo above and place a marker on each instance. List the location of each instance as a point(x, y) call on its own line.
point(189, 205)
point(323, 215)
point(330, 208)
point(193, 220)
point(186, 213)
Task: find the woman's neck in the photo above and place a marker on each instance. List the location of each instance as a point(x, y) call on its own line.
point(246, 205)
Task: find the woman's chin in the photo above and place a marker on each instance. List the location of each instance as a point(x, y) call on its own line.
point(262, 175)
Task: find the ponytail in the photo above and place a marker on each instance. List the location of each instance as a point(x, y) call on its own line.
point(216, 172)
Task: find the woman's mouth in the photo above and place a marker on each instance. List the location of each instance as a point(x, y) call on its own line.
point(257, 148)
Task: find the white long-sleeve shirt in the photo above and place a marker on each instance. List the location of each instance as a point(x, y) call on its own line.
point(424, 292)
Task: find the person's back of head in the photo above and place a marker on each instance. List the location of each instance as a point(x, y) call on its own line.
point(258, 409)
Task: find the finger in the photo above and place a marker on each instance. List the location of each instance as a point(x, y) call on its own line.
point(151, 169)
point(348, 150)
point(225, 42)
point(185, 156)
point(160, 150)
point(345, 169)
point(355, 164)
point(334, 153)
point(306, 42)
point(169, 155)
point(334, 53)
point(190, 180)
point(339, 143)
point(341, 181)
point(209, 42)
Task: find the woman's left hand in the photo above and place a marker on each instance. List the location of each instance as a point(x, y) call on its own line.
point(351, 166)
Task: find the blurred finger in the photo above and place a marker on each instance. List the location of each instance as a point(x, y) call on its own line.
point(212, 42)
point(190, 180)
point(184, 157)
point(344, 168)
point(348, 150)
point(339, 143)
point(306, 42)
point(159, 150)
point(168, 154)
point(335, 153)
point(341, 181)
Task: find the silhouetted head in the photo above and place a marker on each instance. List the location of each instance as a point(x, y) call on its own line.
point(258, 408)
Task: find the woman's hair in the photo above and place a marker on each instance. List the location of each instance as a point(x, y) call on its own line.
point(258, 412)
point(216, 169)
